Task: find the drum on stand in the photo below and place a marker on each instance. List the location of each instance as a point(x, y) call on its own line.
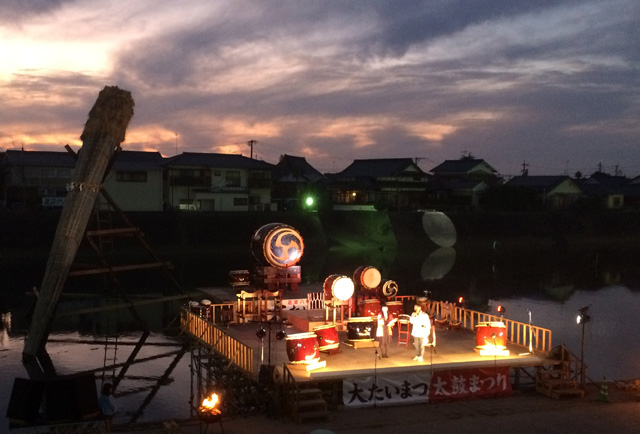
point(396, 308)
point(491, 333)
point(369, 307)
point(277, 245)
point(367, 278)
point(303, 347)
point(361, 329)
point(337, 286)
point(239, 278)
point(327, 337)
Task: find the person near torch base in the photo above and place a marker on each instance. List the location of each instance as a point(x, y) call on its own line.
point(384, 332)
point(420, 330)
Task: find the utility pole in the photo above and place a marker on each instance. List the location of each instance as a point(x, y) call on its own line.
point(251, 143)
point(525, 171)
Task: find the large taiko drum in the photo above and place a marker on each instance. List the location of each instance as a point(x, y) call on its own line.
point(367, 278)
point(491, 333)
point(396, 308)
point(303, 347)
point(388, 288)
point(327, 337)
point(369, 307)
point(338, 286)
point(277, 245)
point(361, 329)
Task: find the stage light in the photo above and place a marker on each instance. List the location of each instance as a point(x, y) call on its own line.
point(500, 309)
point(281, 334)
point(583, 316)
point(261, 333)
point(460, 300)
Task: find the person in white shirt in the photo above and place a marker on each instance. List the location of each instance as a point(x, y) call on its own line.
point(420, 330)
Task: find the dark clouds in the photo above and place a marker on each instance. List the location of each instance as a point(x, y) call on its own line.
point(554, 83)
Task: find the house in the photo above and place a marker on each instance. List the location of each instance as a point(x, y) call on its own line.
point(135, 181)
point(459, 184)
point(396, 183)
point(555, 192)
point(40, 178)
point(605, 189)
point(466, 169)
point(36, 178)
point(297, 184)
point(217, 182)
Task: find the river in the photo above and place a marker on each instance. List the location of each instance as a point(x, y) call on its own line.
point(549, 281)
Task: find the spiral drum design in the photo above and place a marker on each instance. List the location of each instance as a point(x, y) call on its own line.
point(278, 245)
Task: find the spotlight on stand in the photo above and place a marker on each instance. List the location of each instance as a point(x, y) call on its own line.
point(281, 334)
point(582, 319)
point(501, 310)
point(583, 315)
point(261, 332)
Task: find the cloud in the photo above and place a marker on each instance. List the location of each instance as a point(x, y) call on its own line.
point(507, 80)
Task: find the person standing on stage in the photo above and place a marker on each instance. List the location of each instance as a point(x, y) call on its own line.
point(384, 332)
point(421, 327)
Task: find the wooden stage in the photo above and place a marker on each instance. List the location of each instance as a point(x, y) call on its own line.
point(455, 348)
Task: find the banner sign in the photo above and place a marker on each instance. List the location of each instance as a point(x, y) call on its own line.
point(457, 384)
point(384, 390)
point(294, 304)
point(415, 387)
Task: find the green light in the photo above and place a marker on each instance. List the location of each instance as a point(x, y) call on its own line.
point(309, 201)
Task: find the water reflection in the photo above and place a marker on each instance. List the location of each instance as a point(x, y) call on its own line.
point(438, 264)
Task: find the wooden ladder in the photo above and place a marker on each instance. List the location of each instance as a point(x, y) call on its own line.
point(310, 405)
point(557, 383)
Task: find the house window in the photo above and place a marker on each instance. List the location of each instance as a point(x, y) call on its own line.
point(232, 178)
point(240, 201)
point(131, 176)
point(254, 200)
point(217, 173)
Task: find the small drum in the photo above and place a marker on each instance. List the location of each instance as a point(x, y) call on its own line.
point(361, 329)
point(303, 348)
point(340, 287)
point(388, 289)
point(239, 278)
point(277, 244)
point(491, 333)
point(396, 308)
point(367, 277)
point(369, 307)
point(327, 337)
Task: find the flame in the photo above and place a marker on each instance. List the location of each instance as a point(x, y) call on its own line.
point(210, 403)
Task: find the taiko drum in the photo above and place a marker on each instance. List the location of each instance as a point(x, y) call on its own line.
point(277, 245)
point(367, 278)
point(369, 307)
point(303, 347)
point(361, 329)
point(395, 307)
point(388, 288)
point(338, 286)
point(491, 333)
point(327, 337)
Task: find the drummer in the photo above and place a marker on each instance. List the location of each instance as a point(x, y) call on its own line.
point(420, 330)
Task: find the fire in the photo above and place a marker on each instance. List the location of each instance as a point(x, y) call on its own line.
point(210, 404)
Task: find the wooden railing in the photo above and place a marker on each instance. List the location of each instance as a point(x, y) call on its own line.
point(239, 354)
point(518, 333)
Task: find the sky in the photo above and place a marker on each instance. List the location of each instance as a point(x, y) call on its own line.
point(552, 86)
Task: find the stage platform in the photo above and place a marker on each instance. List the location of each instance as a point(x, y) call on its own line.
point(455, 347)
